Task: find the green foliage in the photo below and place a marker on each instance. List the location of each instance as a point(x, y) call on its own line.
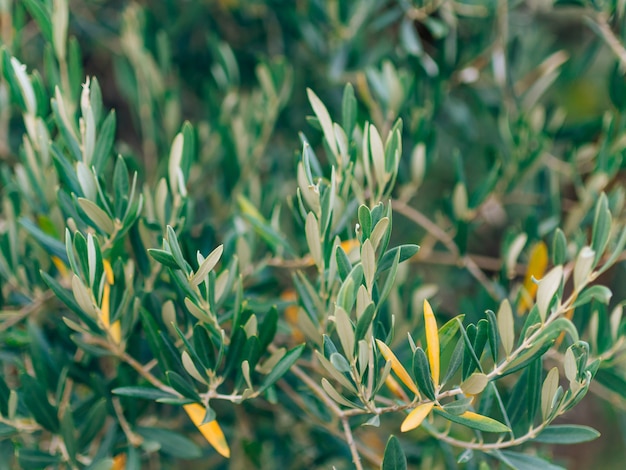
point(177, 285)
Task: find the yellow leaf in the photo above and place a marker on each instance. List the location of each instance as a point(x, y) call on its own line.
point(119, 462)
point(60, 265)
point(415, 417)
point(211, 430)
point(537, 264)
point(432, 341)
point(397, 367)
point(108, 271)
point(115, 329)
point(395, 388)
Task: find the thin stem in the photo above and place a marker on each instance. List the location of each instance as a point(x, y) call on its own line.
point(133, 438)
point(601, 27)
point(483, 446)
point(356, 459)
point(433, 229)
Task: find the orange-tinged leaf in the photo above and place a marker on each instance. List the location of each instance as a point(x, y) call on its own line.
point(60, 265)
point(119, 462)
point(432, 341)
point(211, 430)
point(397, 367)
point(291, 314)
point(108, 271)
point(114, 329)
point(415, 417)
point(537, 264)
point(396, 389)
point(349, 245)
point(569, 314)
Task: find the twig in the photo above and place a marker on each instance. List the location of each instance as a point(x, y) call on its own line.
point(133, 438)
point(462, 260)
point(600, 25)
point(356, 459)
point(367, 453)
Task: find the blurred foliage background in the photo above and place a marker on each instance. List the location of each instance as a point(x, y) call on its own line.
point(511, 109)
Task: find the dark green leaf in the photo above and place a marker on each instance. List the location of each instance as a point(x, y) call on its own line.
point(147, 393)
point(422, 374)
point(182, 386)
point(394, 458)
point(364, 322)
point(37, 402)
point(164, 257)
point(35, 459)
point(365, 220)
point(104, 142)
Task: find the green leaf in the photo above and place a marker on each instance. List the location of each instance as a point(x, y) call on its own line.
point(394, 458)
point(171, 443)
point(163, 257)
point(42, 15)
point(92, 422)
point(348, 109)
point(519, 461)
point(37, 402)
point(344, 267)
point(601, 293)
point(147, 393)
point(51, 245)
point(559, 247)
point(35, 459)
point(68, 299)
point(281, 367)
point(364, 322)
point(97, 215)
point(68, 431)
point(493, 335)
point(6, 430)
point(182, 386)
point(567, 434)
point(601, 227)
point(365, 220)
point(406, 252)
point(459, 406)
point(474, 421)
point(421, 372)
point(104, 142)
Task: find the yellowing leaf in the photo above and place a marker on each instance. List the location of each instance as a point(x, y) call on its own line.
point(395, 388)
point(108, 271)
point(60, 265)
point(415, 417)
point(115, 329)
point(432, 341)
point(397, 367)
point(349, 245)
point(211, 430)
point(537, 264)
point(119, 462)
point(291, 314)
point(476, 421)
